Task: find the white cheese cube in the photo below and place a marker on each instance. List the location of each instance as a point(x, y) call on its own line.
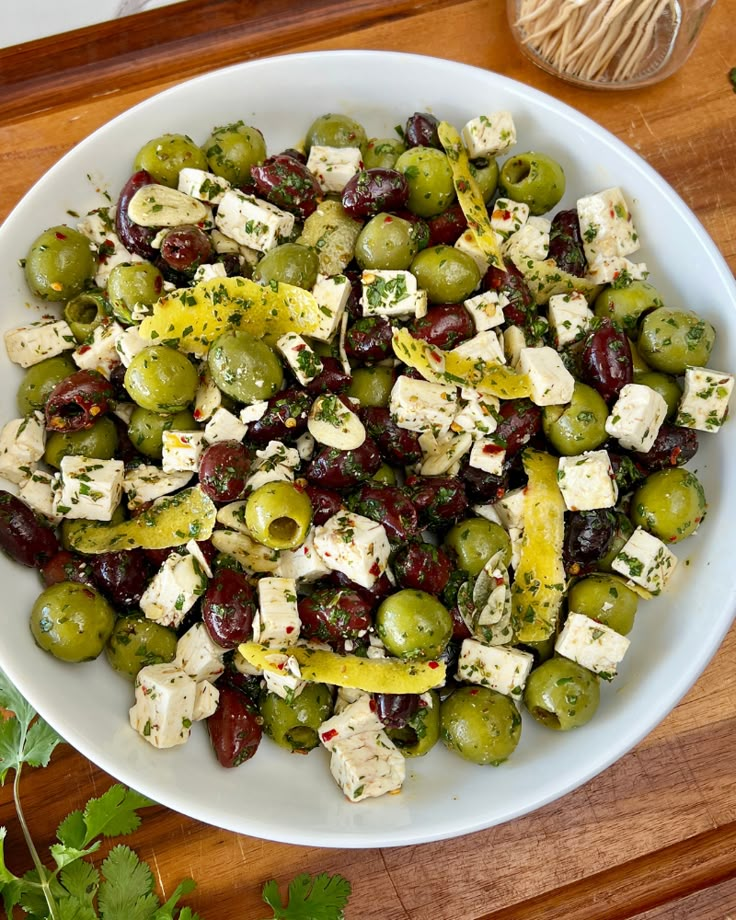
point(489, 135)
point(569, 317)
point(606, 225)
point(486, 309)
point(38, 493)
point(303, 563)
point(443, 452)
point(486, 455)
point(90, 489)
point(332, 293)
point(287, 683)
point(354, 545)
point(636, 417)
point(101, 353)
point(22, 444)
point(28, 345)
point(419, 405)
point(354, 719)
point(587, 481)
point(468, 244)
point(129, 343)
point(482, 347)
point(551, 382)
point(209, 271)
point(146, 483)
point(530, 241)
point(208, 398)
point(592, 645)
point(198, 655)
point(390, 293)
point(607, 270)
point(277, 620)
point(174, 589)
point(334, 167)
point(477, 414)
point(367, 765)
point(182, 451)
point(305, 444)
point(304, 363)
point(345, 696)
point(508, 216)
point(704, 402)
point(510, 508)
point(252, 222)
point(206, 698)
point(502, 669)
point(164, 705)
point(646, 560)
point(224, 426)
point(514, 341)
point(206, 186)
point(254, 411)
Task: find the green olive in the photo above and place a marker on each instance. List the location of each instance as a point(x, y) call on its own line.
point(279, 515)
point(473, 542)
point(638, 364)
point(606, 599)
point(130, 285)
point(534, 179)
point(446, 274)
point(232, 150)
point(59, 264)
point(385, 475)
point(40, 379)
point(421, 732)
point(562, 694)
point(72, 621)
point(371, 386)
point(664, 384)
point(480, 724)
point(670, 504)
point(626, 304)
point(429, 176)
point(578, 426)
point(291, 263)
point(386, 242)
point(382, 152)
point(245, 367)
point(164, 157)
point(485, 173)
point(413, 624)
point(670, 340)
point(100, 441)
point(294, 724)
point(624, 530)
point(161, 379)
point(137, 642)
point(543, 649)
point(84, 313)
point(146, 429)
point(334, 130)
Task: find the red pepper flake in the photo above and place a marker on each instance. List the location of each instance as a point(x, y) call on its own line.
point(83, 349)
point(676, 451)
point(433, 664)
point(436, 357)
point(372, 705)
point(281, 665)
point(289, 629)
point(473, 693)
point(197, 414)
point(374, 570)
point(506, 215)
point(612, 212)
point(329, 735)
point(492, 449)
point(300, 347)
point(60, 236)
point(388, 219)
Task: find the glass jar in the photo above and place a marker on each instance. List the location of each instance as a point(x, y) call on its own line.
point(608, 44)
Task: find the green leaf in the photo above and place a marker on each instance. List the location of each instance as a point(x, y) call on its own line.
point(11, 699)
point(5, 874)
point(81, 880)
point(114, 812)
point(21, 742)
point(320, 897)
point(40, 744)
point(72, 830)
point(10, 885)
point(11, 742)
point(63, 855)
point(32, 898)
point(166, 911)
point(127, 890)
point(74, 909)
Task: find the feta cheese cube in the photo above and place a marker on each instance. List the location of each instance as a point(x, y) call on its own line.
point(367, 765)
point(592, 645)
point(606, 225)
point(704, 402)
point(390, 293)
point(38, 493)
point(277, 620)
point(486, 309)
point(206, 698)
point(354, 719)
point(477, 414)
point(530, 241)
point(287, 683)
point(224, 426)
point(333, 167)
point(305, 444)
point(486, 455)
point(419, 405)
point(551, 382)
point(304, 363)
point(206, 186)
point(354, 545)
point(303, 563)
point(468, 244)
point(254, 411)
point(209, 271)
point(22, 444)
point(101, 353)
point(164, 705)
point(198, 655)
point(332, 293)
point(90, 489)
point(569, 317)
point(174, 589)
point(146, 483)
point(508, 216)
point(182, 451)
point(607, 269)
point(646, 560)
point(636, 417)
point(502, 669)
point(129, 343)
point(251, 222)
point(587, 481)
point(484, 346)
point(489, 135)
point(28, 345)
point(510, 508)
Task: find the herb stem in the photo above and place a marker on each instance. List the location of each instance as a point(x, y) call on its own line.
point(40, 868)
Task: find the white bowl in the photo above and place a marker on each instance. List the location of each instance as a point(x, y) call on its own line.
point(293, 798)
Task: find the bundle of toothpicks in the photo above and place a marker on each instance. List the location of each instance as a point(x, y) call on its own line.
point(611, 41)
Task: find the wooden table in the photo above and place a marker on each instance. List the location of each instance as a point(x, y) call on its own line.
point(654, 837)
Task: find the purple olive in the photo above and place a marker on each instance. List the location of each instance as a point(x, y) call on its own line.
point(325, 503)
point(389, 506)
point(445, 326)
point(228, 608)
point(439, 500)
point(78, 401)
point(234, 728)
point(66, 566)
point(519, 422)
point(332, 378)
point(605, 360)
point(521, 308)
point(122, 576)
point(22, 535)
point(673, 446)
point(223, 471)
point(369, 339)
point(421, 130)
point(286, 182)
point(285, 419)
point(588, 536)
point(566, 243)
point(396, 710)
point(422, 566)
point(331, 614)
point(447, 227)
point(185, 248)
point(375, 191)
point(396, 445)
point(482, 486)
point(135, 238)
point(342, 469)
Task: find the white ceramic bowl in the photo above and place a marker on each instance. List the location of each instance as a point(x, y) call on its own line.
point(292, 798)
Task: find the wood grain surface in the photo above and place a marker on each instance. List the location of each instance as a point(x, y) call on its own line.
point(654, 836)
